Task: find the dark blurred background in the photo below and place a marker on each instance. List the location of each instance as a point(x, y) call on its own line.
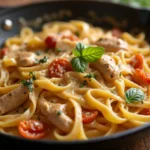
point(134, 3)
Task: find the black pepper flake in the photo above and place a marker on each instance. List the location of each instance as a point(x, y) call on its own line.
point(111, 76)
point(25, 109)
point(38, 118)
point(25, 92)
point(83, 83)
point(107, 66)
point(10, 94)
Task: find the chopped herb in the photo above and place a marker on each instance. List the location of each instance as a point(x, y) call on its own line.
point(83, 83)
point(38, 52)
point(58, 50)
point(77, 33)
point(43, 60)
point(120, 74)
point(32, 75)
point(134, 95)
point(36, 61)
point(59, 112)
point(90, 76)
point(85, 55)
point(119, 66)
point(28, 84)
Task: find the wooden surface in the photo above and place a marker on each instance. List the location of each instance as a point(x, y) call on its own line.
point(144, 143)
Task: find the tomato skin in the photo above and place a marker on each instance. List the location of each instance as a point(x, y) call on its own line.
point(89, 116)
point(145, 111)
point(33, 129)
point(58, 67)
point(116, 32)
point(50, 42)
point(3, 52)
point(141, 77)
point(138, 62)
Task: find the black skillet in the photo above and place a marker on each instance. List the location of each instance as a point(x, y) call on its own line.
point(98, 13)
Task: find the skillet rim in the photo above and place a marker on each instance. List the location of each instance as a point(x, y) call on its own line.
point(7, 9)
point(88, 141)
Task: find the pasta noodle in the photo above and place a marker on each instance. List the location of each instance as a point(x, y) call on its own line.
point(42, 93)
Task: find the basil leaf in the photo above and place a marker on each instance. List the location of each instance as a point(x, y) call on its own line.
point(91, 54)
point(79, 47)
point(76, 53)
point(134, 95)
point(79, 64)
point(78, 50)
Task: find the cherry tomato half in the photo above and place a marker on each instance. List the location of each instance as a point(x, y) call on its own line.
point(50, 42)
point(3, 52)
point(141, 77)
point(145, 111)
point(89, 116)
point(33, 129)
point(137, 62)
point(58, 67)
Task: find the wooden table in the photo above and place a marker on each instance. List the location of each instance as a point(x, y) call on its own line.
point(143, 144)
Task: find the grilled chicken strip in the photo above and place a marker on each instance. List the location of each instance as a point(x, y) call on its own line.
point(112, 44)
point(56, 114)
point(13, 99)
point(23, 58)
point(107, 66)
point(26, 59)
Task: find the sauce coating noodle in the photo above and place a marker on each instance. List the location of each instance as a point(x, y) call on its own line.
point(57, 95)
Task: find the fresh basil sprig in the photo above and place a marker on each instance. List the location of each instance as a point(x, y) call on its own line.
point(85, 55)
point(134, 95)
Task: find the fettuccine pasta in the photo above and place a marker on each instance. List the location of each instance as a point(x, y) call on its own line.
point(73, 81)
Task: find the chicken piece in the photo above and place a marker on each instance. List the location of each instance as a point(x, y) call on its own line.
point(112, 44)
point(56, 114)
point(66, 45)
point(23, 58)
point(107, 66)
point(26, 59)
point(13, 99)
